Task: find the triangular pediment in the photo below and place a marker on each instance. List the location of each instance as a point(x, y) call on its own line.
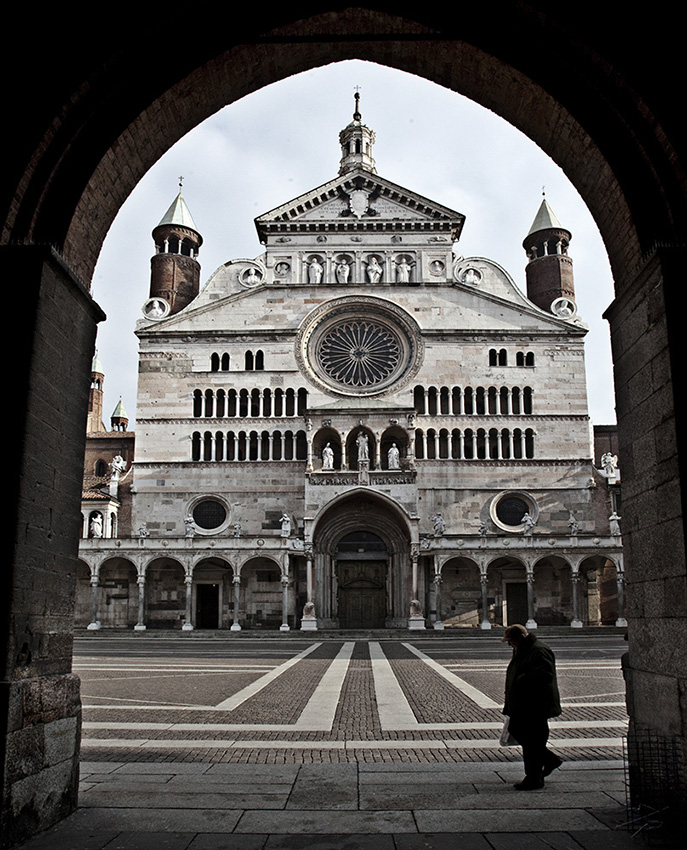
point(360, 196)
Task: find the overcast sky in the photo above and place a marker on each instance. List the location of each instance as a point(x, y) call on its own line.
point(280, 142)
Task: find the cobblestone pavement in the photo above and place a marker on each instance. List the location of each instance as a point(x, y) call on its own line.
point(308, 700)
point(337, 744)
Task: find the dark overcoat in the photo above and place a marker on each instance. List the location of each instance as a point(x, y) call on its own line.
point(531, 684)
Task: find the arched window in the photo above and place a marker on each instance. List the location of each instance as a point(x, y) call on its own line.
point(493, 357)
point(225, 362)
point(100, 468)
point(220, 408)
point(219, 446)
point(255, 397)
point(527, 400)
point(529, 443)
point(455, 400)
point(444, 401)
point(301, 446)
point(290, 403)
point(468, 400)
point(503, 357)
point(197, 403)
point(243, 403)
point(214, 362)
point(207, 446)
point(419, 399)
point(302, 405)
point(529, 358)
point(209, 403)
point(249, 361)
point(259, 361)
point(195, 445)
point(479, 401)
point(419, 444)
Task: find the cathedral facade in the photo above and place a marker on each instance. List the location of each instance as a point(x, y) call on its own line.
point(359, 429)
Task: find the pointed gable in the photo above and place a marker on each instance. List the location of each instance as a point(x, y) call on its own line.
point(360, 200)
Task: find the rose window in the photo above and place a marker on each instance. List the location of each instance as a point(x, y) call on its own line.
point(359, 346)
point(359, 353)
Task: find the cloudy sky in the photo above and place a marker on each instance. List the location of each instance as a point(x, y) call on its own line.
point(282, 141)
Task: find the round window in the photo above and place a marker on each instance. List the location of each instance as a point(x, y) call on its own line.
point(209, 514)
point(359, 346)
point(508, 509)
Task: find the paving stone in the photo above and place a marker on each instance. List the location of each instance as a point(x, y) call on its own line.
point(141, 797)
point(228, 842)
point(442, 841)
point(151, 841)
point(305, 822)
point(504, 820)
point(330, 842)
point(523, 841)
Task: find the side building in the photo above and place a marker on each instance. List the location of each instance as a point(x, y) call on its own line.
point(360, 428)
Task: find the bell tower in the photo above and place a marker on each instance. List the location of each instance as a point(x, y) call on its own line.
point(174, 268)
point(549, 272)
point(357, 141)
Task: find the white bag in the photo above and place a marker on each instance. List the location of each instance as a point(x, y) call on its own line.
point(506, 739)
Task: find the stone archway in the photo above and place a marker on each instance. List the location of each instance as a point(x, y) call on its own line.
point(361, 548)
point(596, 97)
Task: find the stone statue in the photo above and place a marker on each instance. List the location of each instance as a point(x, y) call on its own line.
point(574, 527)
point(609, 463)
point(190, 526)
point(483, 529)
point(237, 529)
point(439, 525)
point(415, 608)
point(96, 525)
point(403, 269)
point(343, 271)
point(328, 457)
point(374, 271)
point(614, 522)
point(143, 531)
point(117, 466)
point(394, 457)
point(285, 525)
point(528, 524)
point(309, 611)
point(363, 444)
point(315, 271)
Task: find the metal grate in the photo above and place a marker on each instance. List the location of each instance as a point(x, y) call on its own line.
point(655, 787)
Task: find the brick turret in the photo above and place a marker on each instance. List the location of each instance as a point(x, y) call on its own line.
point(549, 271)
point(174, 269)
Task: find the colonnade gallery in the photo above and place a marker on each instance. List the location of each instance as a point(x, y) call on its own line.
point(361, 428)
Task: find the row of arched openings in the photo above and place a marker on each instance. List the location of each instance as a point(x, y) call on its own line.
point(472, 401)
point(248, 445)
point(246, 403)
point(253, 361)
point(474, 444)
point(499, 357)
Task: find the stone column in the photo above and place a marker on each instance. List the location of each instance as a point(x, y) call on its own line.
point(575, 576)
point(141, 582)
point(438, 623)
point(531, 622)
point(416, 620)
point(94, 625)
point(284, 604)
point(188, 624)
point(621, 622)
point(309, 618)
point(483, 581)
point(235, 626)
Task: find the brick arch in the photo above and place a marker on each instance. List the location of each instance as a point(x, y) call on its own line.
point(122, 121)
point(592, 88)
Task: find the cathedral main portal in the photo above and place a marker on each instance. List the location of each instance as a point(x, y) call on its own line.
point(361, 568)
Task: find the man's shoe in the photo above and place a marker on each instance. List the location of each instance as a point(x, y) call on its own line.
point(552, 765)
point(529, 785)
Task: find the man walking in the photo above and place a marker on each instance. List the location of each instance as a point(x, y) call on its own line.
point(531, 698)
